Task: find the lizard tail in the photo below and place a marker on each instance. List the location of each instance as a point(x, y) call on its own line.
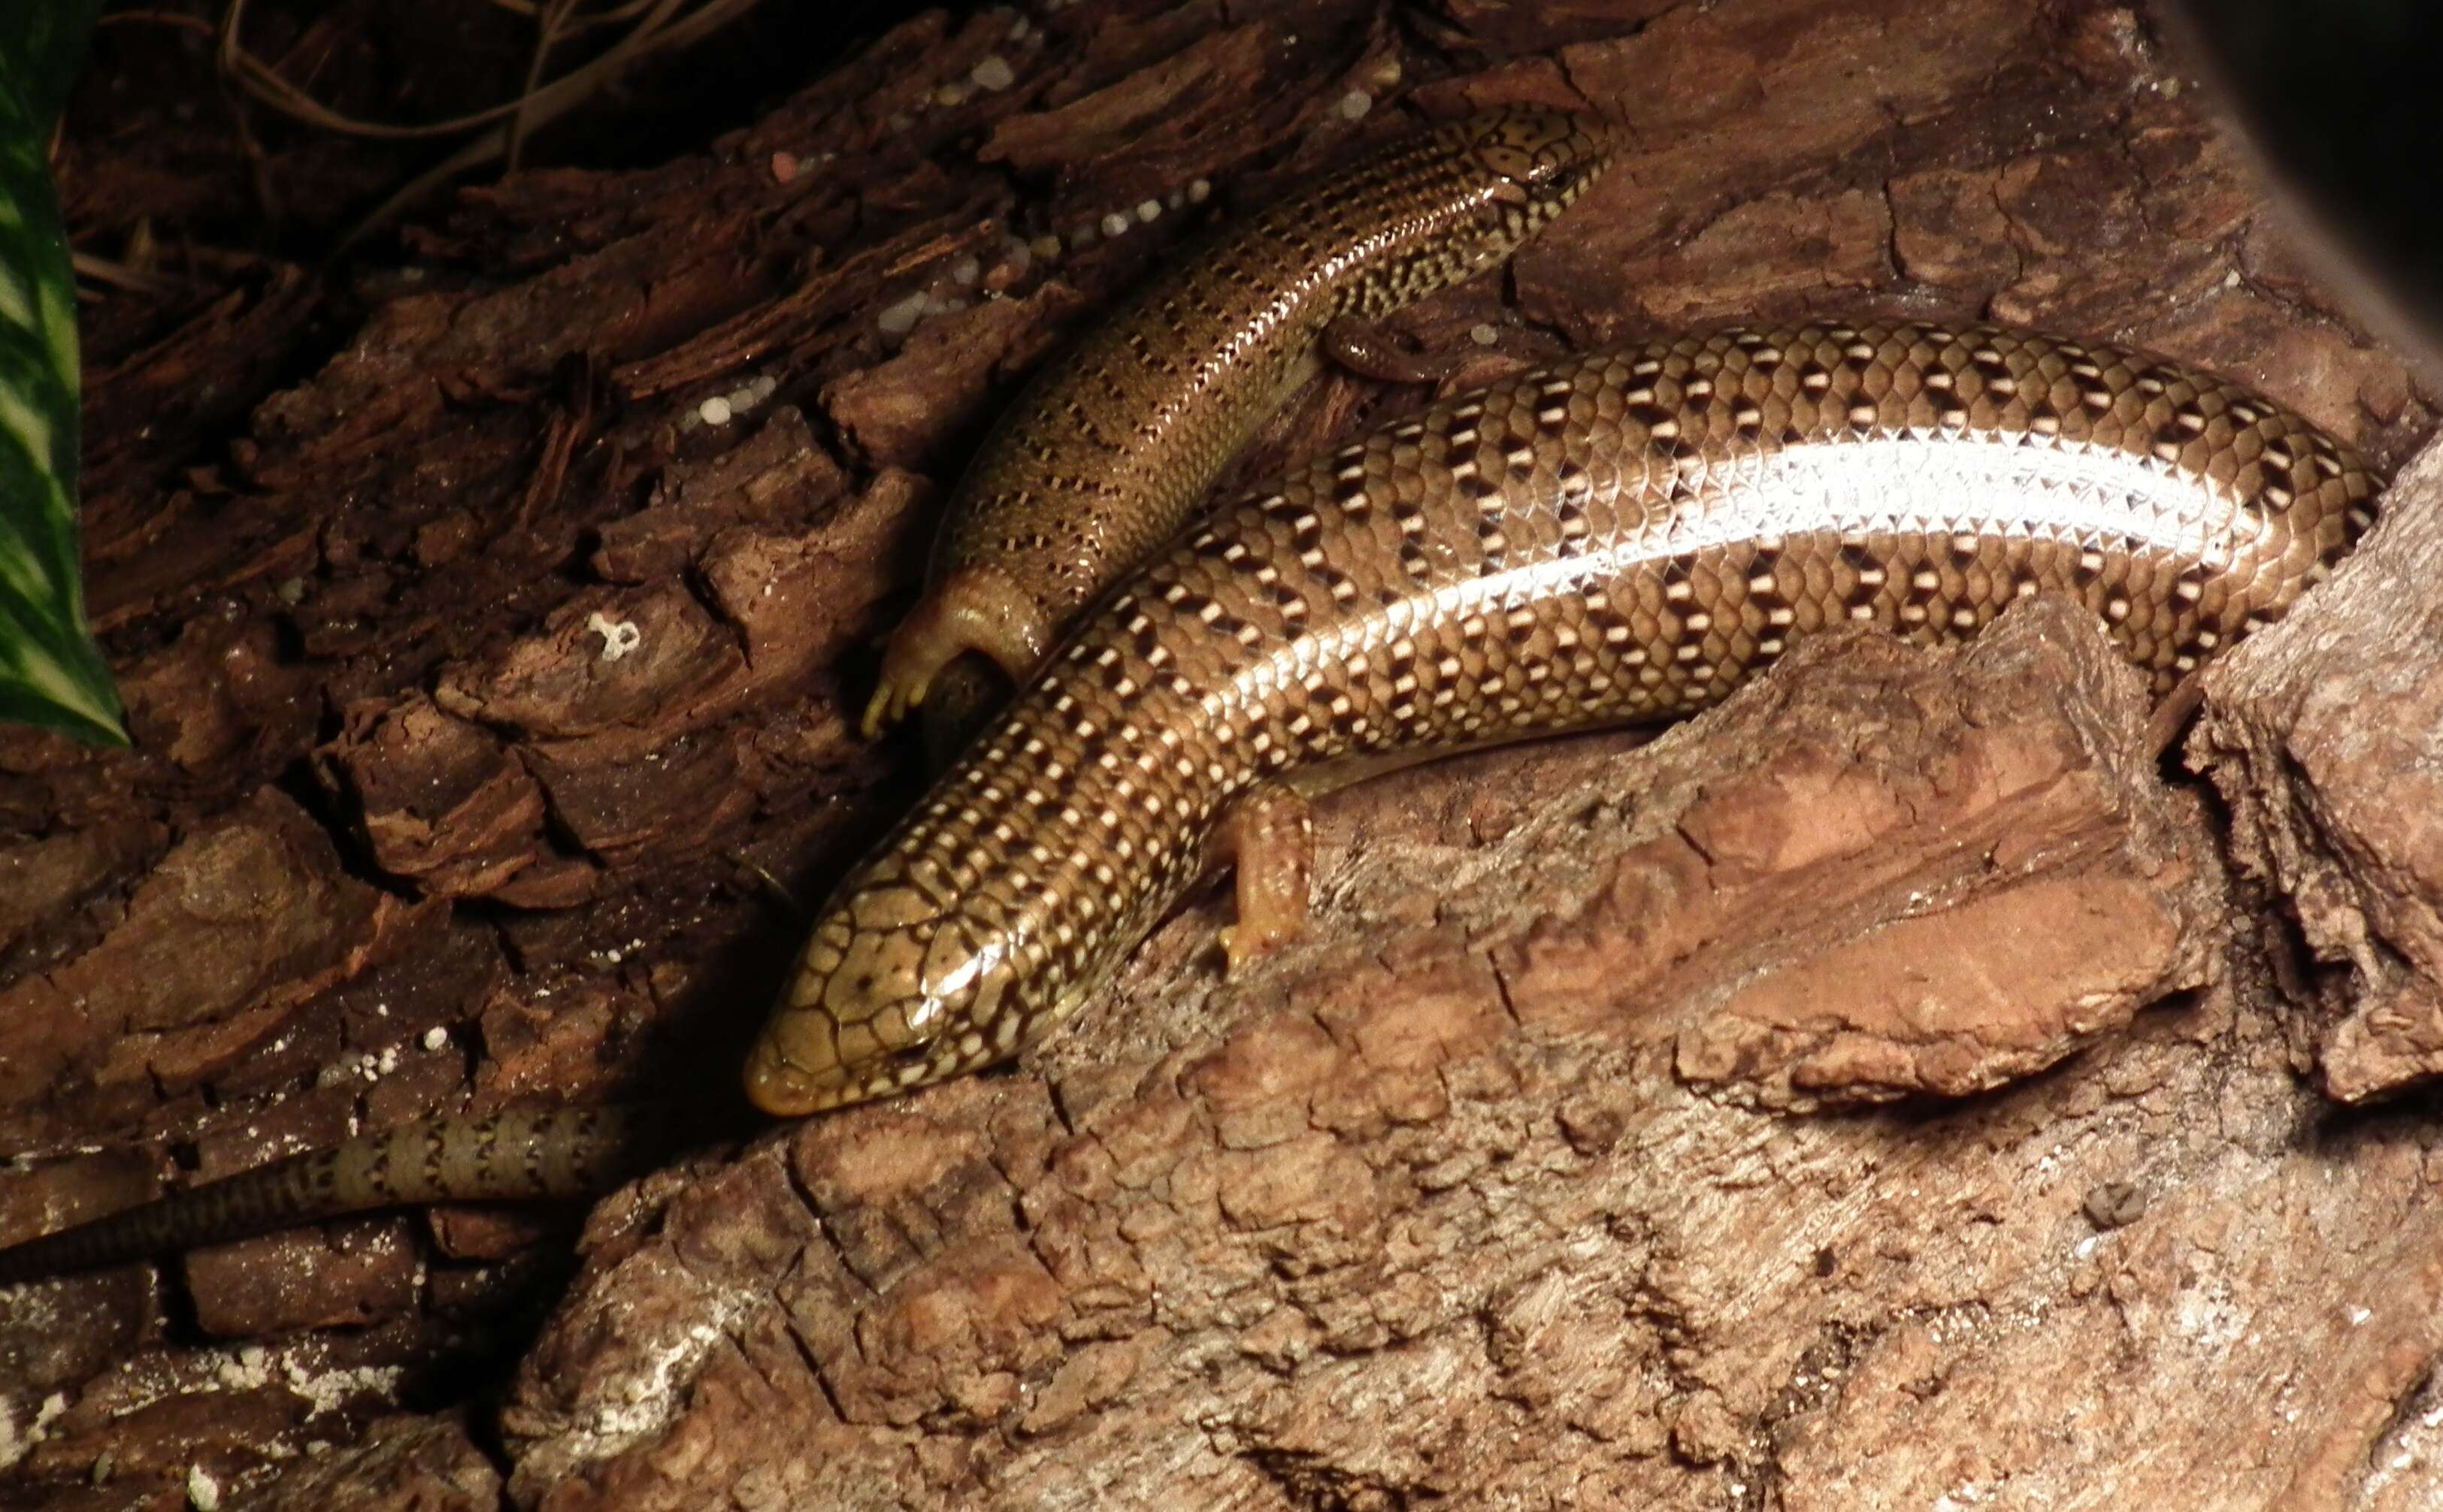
point(564, 1152)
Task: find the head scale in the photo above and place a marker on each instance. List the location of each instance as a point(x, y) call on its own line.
point(895, 990)
point(1538, 156)
point(1500, 176)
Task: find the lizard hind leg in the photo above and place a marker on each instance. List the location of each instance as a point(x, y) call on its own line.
point(976, 608)
point(1269, 836)
point(1370, 351)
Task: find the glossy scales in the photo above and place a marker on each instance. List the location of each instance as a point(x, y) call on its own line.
point(510, 1154)
point(1106, 454)
point(1626, 536)
point(1100, 459)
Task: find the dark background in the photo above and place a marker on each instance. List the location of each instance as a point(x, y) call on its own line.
point(2340, 97)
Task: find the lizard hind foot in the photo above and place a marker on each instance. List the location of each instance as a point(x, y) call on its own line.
point(894, 700)
point(974, 609)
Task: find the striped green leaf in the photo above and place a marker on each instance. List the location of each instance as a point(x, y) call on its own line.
point(43, 41)
point(52, 673)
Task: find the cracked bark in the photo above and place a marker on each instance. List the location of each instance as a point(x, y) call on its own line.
point(1877, 1090)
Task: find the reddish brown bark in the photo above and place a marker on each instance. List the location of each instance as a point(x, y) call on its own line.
point(1876, 1091)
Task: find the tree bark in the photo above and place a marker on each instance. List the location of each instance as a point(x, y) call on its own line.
point(1894, 1088)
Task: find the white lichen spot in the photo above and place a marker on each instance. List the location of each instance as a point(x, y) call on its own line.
point(993, 73)
point(1483, 335)
point(1149, 211)
point(1199, 191)
point(203, 1492)
point(950, 95)
point(619, 637)
point(900, 317)
point(2207, 1313)
point(624, 1409)
point(715, 410)
point(436, 1037)
point(15, 1445)
point(330, 1389)
point(966, 271)
point(1115, 224)
point(1355, 104)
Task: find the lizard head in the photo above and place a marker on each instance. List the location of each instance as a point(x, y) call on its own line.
point(1533, 156)
point(897, 988)
point(859, 1019)
point(1460, 199)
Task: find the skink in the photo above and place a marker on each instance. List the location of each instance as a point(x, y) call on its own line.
point(1626, 536)
point(1099, 459)
point(1107, 453)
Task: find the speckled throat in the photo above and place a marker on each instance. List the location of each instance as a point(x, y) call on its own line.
point(1626, 536)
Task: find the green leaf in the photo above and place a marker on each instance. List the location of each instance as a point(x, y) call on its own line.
point(43, 46)
point(52, 673)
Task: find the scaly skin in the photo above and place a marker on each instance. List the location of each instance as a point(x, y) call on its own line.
point(1626, 536)
point(565, 1153)
point(1100, 459)
point(1107, 453)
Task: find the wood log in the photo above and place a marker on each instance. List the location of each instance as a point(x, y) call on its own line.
point(1893, 1088)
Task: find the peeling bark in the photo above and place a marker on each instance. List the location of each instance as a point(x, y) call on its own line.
point(2327, 740)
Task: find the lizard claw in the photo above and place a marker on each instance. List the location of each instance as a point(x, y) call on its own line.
point(894, 701)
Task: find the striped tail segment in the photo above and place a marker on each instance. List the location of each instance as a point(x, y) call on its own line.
point(504, 1155)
